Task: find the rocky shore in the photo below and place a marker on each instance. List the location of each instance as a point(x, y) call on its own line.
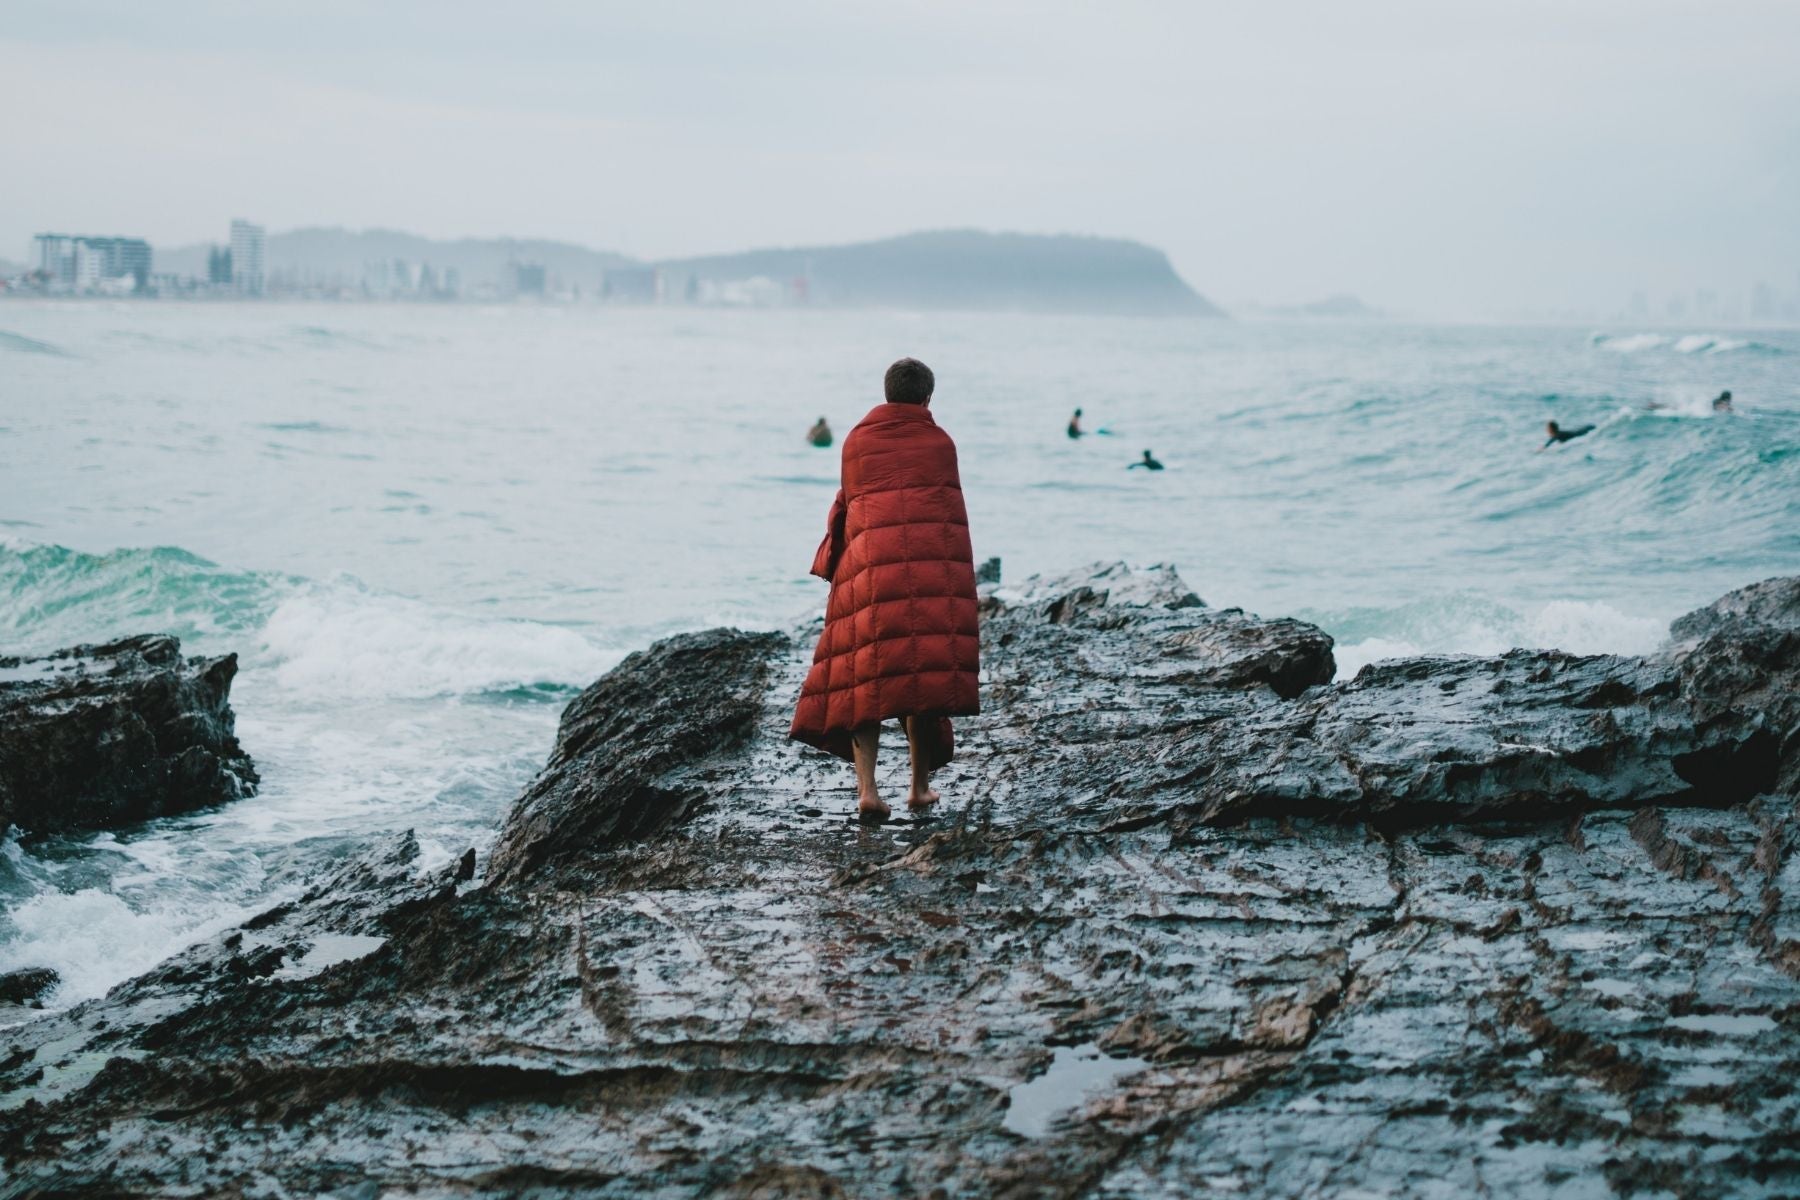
point(1193, 921)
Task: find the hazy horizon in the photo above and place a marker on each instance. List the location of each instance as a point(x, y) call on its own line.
point(1488, 160)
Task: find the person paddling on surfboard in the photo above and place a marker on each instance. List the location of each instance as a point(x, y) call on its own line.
point(1559, 434)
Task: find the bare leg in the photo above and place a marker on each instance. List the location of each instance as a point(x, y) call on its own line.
point(921, 795)
point(864, 743)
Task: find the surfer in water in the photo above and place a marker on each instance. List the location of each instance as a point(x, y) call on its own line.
point(820, 434)
point(1559, 434)
point(1075, 429)
point(1148, 462)
point(1722, 402)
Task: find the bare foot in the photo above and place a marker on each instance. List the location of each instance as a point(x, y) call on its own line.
point(871, 810)
point(923, 799)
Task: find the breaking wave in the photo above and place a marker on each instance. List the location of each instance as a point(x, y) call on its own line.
point(1465, 624)
point(1692, 343)
point(51, 596)
point(92, 938)
point(344, 640)
point(334, 638)
point(366, 712)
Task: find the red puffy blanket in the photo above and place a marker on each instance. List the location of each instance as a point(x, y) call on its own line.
point(901, 636)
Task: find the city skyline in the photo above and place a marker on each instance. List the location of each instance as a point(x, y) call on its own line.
point(58, 260)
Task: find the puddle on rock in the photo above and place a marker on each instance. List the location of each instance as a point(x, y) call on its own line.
point(34, 671)
point(1725, 1024)
point(328, 950)
point(1074, 1074)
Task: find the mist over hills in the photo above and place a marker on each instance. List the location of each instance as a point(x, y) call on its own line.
point(933, 270)
point(1340, 305)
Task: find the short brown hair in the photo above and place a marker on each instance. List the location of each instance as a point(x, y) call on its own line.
point(909, 381)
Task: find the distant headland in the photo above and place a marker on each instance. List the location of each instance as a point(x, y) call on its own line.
point(967, 268)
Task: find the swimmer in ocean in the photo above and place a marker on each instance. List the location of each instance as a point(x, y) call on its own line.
point(1075, 430)
point(1722, 402)
point(1148, 462)
point(820, 434)
point(1559, 434)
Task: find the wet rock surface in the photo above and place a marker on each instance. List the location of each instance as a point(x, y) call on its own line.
point(95, 737)
point(1192, 921)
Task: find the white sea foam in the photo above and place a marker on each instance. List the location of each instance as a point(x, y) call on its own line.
point(1629, 343)
point(332, 771)
point(1575, 626)
point(343, 641)
point(1680, 402)
point(92, 939)
point(1588, 627)
point(1354, 656)
point(1708, 343)
point(1689, 343)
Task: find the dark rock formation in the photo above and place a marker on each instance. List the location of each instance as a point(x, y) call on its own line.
point(1736, 659)
point(1520, 926)
point(99, 736)
point(701, 692)
point(27, 986)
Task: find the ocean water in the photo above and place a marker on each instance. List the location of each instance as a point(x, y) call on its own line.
point(423, 528)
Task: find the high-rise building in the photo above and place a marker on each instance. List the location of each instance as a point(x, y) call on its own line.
point(124, 256)
point(246, 258)
point(56, 257)
point(90, 265)
point(82, 263)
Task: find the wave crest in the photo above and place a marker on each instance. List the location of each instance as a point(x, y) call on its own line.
point(1690, 343)
point(346, 641)
point(51, 596)
point(336, 639)
point(1473, 625)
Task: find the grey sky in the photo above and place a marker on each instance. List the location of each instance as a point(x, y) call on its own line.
point(1440, 156)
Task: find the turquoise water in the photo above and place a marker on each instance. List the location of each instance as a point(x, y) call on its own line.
point(422, 527)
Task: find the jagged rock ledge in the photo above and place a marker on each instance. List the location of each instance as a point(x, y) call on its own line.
point(1194, 921)
point(95, 737)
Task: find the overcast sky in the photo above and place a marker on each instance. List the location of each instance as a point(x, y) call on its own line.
point(1443, 158)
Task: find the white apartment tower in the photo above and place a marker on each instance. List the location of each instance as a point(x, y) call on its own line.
point(246, 258)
